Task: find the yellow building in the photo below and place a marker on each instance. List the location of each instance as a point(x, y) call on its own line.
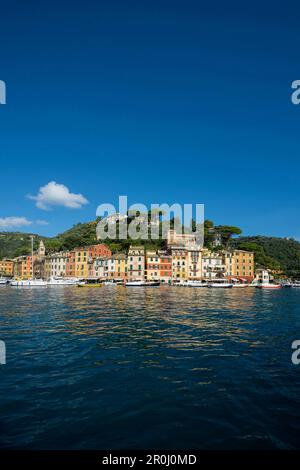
point(152, 266)
point(81, 262)
point(240, 264)
point(6, 267)
point(120, 266)
point(179, 264)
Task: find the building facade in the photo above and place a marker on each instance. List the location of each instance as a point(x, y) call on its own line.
point(136, 263)
point(179, 264)
point(239, 265)
point(6, 267)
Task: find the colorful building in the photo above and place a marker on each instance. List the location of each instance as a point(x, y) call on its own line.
point(158, 267)
point(6, 267)
point(70, 264)
point(120, 266)
point(179, 264)
point(58, 264)
point(136, 263)
point(212, 266)
point(194, 263)
point(239, 265)
point(23, 267)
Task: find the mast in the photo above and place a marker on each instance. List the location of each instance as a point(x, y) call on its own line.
point(32, 237)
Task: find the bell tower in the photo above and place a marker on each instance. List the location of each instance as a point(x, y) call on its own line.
point(41, 250)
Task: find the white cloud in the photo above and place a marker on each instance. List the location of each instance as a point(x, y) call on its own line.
point(42, 222)
point(13, 222)
point(54, 194)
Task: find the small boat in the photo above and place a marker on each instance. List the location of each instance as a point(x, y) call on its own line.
point(28, 283)
point(220, 284)
point(295, 284)
point(240, 285)
point(109, 283)
point(89, 285)
point(61, 281)
point(196, 284)
point(152, 283)
point(135, 284)
point(268, 285)
point(3, 281)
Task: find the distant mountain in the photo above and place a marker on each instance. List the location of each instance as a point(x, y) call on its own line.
point(278, 254)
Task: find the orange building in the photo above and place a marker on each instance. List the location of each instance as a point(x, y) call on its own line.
point(23, 267)
point(85, 256)
point(70, 264)
point(240, 265)
point(6, 267)
point(158, 267)
point(97, 251)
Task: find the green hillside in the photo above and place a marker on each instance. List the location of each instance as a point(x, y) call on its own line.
point(17, 243)
point(274, 253)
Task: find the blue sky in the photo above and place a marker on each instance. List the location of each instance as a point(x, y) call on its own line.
point(161, 101)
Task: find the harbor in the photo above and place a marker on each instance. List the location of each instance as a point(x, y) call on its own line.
point(171, 367)
point(182, 263)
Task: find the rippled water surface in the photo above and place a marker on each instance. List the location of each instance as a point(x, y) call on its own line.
point(149, 368)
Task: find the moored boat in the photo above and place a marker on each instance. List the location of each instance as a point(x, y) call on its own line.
point(135, 284)
point(295, 284)
point(220, 284)
point(60, 281)
point(91, 286)
point(195, 283)
point(28, 283)
point(152, 283)
point(240, 285)
point(268, 285)
point(3, 281)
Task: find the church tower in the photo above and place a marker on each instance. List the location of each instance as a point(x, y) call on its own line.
point(41, 250)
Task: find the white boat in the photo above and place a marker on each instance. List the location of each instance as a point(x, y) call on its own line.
point(135, 283)
point(109, 283)
point(196, 284)
point(61, 281)
point(295, 284)
point(240, 285)
point(268, 285)
point(152, 283)
point(3, 281)
point(28, 283)
point(220, 284)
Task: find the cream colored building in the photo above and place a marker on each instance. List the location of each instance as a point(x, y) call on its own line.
point(58, 263)
point(212, 266)
point(136, 263)
point(194, 264)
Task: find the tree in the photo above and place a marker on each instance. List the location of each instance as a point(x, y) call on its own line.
point(226, 232)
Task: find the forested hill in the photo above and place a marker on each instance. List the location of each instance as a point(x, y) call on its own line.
point(274, 253)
